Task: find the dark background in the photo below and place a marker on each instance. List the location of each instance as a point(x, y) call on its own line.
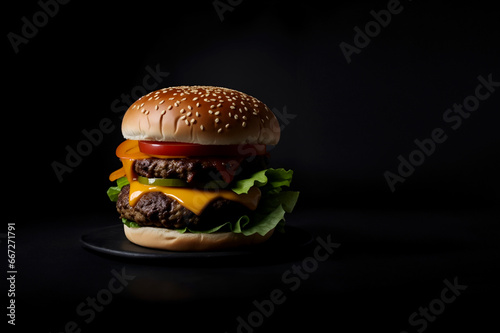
point(347, 124)
point(351, 120)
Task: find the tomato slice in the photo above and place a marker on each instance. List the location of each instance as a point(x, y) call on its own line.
point(130, 149)
point(192, 149)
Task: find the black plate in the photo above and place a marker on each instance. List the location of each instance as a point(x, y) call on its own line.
point(112, 241)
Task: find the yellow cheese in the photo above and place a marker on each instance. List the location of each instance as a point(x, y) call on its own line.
point(194, 199)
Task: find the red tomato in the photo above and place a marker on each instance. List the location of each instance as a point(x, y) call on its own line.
point(191, 149)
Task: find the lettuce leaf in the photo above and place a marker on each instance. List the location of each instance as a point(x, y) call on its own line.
point(130, 224)
point(276, 200)
point(273, 178)
point(274, 203)
point(114, 191)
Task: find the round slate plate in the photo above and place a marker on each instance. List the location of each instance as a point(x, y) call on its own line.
point(112, 241)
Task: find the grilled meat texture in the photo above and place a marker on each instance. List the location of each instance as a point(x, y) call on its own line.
point(197, 171)
point(155, 209)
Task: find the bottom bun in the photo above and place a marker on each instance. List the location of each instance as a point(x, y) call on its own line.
point(166, 239)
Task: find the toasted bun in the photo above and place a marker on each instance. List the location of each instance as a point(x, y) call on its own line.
point(201, 114)
point(172, 240)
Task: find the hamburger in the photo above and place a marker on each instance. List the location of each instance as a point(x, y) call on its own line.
point(196, 174)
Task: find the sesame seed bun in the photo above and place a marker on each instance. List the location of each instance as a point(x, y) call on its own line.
point(172, 240)
point(201, 114)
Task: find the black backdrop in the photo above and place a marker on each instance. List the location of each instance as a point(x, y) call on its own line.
point(345, 121)
point(344, 124)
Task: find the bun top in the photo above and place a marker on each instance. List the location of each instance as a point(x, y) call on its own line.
point(201, 114)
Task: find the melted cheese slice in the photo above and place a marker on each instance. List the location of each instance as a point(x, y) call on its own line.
point(193, 199)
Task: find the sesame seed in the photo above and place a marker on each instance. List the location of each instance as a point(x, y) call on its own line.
point(170, 107)
point(157, 107)
point(182, 111)
point(189, 114)
point(232, 107)
point(212, 106)
point(171, 98)
point(217, 120)
point(176, 103)
point(193, 120)
point(244, 117)
point(198, 104)
point(219, 105)
point(195, 99)
point(186, 121)
point(227, 126)
point(230, 114)
point(202, 127)
point(162, 101)
point(210, 111)
point(219, 130)
point(183, 117)
point(217, 113)
point(183, 99)
point(190, 107)
point(163, 112)
point(197, 114)
point(244, 124)
point(235, 116)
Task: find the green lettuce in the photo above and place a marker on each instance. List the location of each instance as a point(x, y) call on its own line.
point(276, 200)
point(130, 224)
point(114, 191)
point(267, 180)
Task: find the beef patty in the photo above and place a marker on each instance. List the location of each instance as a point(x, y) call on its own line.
point(158, 210)
point(197, 171)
